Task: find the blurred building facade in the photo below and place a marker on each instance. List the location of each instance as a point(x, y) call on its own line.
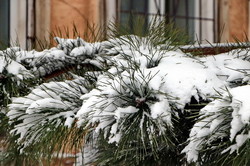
point(204, 20)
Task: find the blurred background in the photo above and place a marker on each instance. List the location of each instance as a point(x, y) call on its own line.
point(205, 21)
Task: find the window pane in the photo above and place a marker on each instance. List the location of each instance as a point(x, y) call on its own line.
point(140, 6)
point(124, 18)
point(4, 27)
point(182, 13)
point(125, 4)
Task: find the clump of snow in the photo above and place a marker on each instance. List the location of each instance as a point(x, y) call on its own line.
point(9, 66)
point(241, 98)
point(228, 67)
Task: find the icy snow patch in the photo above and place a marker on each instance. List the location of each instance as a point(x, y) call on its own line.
point(241, 98)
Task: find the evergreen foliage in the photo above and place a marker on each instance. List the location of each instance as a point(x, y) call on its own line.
point(134, 99)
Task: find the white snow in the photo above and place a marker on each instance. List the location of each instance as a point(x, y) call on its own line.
point(159, 109)
point(241, 96)
point(83, 50)
point(227, 67)
point(127, 110)
point(46, 103)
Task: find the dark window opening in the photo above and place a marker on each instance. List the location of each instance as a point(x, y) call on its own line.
point(195, 17)
point(5, 23)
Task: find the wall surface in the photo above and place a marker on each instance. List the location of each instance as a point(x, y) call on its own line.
point(67, 13)
point(233, 20)
point(238, 19)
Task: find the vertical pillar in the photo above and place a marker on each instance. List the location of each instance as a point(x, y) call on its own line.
point(18, 23)
point(223, 20)
point(42, 23)
point(30, 24)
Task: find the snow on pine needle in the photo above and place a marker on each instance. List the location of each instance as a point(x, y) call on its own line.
point(48, 107)
point(68, 53)
point(137, 101)
point(231, 67)
point(222, 130)
point(127, 109)
point(182, 75)
point(144, 90)
point(14, 77)
point(10, 67)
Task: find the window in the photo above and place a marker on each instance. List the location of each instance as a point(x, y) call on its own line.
point(196, 17)
point(182, 13)
point(4, 27)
